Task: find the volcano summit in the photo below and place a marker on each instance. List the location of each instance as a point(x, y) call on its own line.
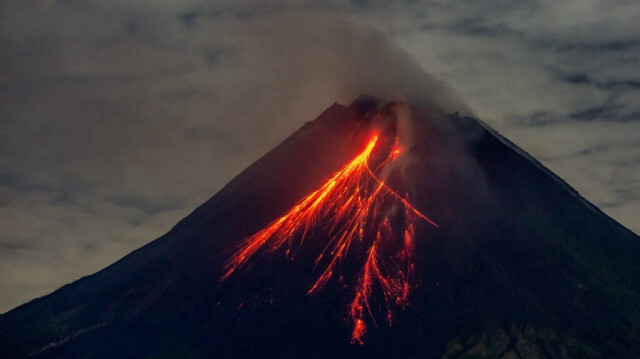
point(376, 230)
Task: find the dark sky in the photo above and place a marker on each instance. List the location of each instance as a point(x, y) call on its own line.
point(119, 117)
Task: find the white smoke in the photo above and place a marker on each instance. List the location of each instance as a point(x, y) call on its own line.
point(307, 62)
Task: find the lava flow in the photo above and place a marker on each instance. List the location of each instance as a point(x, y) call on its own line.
point(354, 205)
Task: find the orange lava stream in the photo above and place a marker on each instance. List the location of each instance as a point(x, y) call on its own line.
point(353, 204)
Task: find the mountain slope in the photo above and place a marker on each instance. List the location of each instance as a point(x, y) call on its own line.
point(520, 265)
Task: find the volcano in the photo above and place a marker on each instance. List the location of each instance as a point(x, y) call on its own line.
point(376, 230)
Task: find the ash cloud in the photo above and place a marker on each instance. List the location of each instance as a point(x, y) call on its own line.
point(310, 61)
point(122, 118)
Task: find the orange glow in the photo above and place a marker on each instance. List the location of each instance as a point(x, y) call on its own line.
point(354, 205)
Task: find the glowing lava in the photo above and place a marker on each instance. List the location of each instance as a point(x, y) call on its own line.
point(353, 206)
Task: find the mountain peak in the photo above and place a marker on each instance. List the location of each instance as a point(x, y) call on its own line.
point(373, 214)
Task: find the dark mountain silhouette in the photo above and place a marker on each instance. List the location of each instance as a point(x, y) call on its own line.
point(520, 266)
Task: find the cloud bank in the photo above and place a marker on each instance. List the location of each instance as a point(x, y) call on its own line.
point(121, 117)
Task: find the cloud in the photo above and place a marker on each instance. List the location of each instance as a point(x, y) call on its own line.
point(120, 117)
point(545, 74)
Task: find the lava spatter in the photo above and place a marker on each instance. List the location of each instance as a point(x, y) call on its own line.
point(353, 205)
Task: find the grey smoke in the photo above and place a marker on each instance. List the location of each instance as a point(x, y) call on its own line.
point(116, 125)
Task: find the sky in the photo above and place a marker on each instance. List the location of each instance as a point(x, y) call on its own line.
point(118, 118)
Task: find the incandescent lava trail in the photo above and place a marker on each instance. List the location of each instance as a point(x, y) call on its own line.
point(353, 206)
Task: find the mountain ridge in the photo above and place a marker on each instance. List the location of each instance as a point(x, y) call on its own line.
point(550, 173)
point(514, 240)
